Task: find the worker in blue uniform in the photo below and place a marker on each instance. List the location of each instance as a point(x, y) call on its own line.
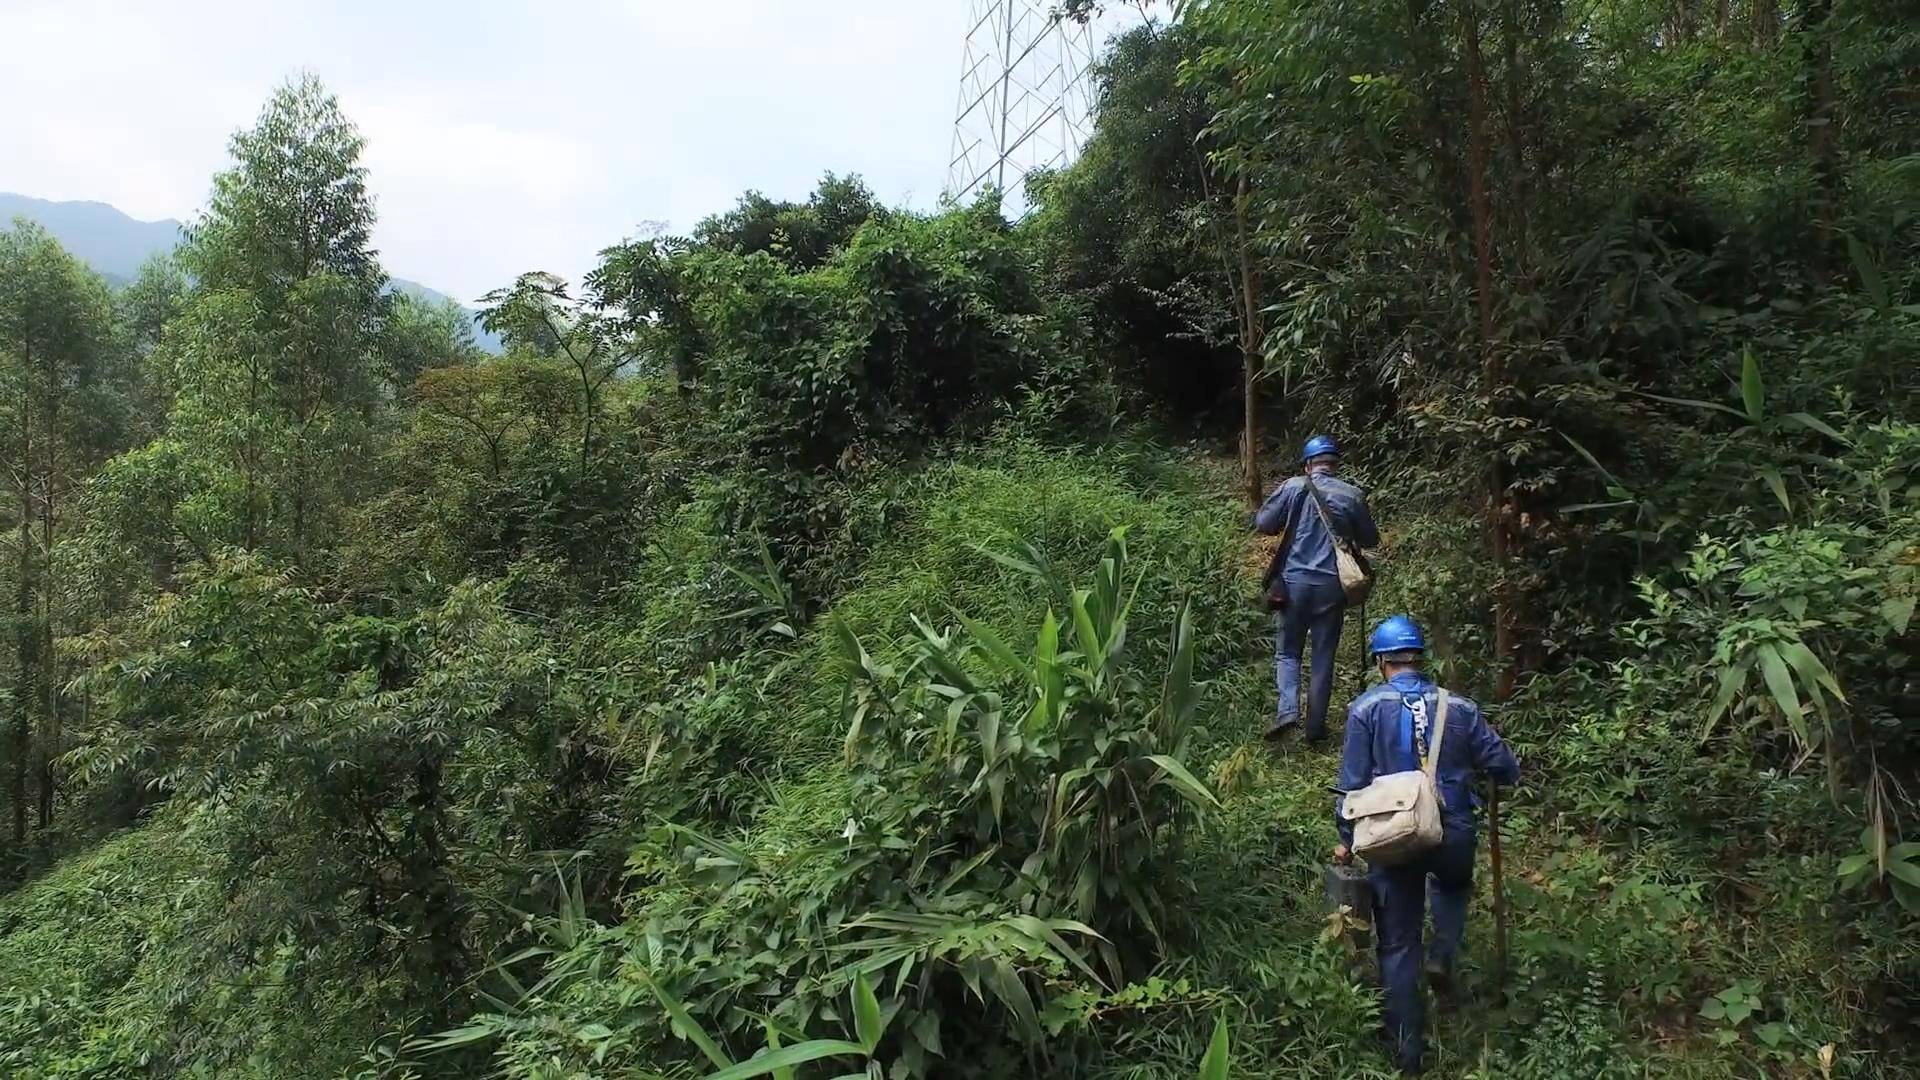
point(1314, 604)
point(1388, 732)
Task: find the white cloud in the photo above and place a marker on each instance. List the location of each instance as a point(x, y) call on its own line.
point(501, 137)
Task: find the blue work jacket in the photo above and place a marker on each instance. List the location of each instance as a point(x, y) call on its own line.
point(1309, 547)
point(1382, 739)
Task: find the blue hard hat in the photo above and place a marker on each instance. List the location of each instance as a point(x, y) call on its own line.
point(1319, 446)
point(1397, 633)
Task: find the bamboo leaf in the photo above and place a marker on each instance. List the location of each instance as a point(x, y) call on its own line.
point(1773, 668)
point(1214, 1065)
point(1692, 402)
point(1183, 781)
point(1005, 983)
point(787, 1057)
point(1812, 671)
point(1591, 460)
point(867, 1022)
point(1036, 928)
point(686, 1025)
point(1732, 678)
point(448, 1040)
point(995, 647)
point(1814, 423)
point(1753, 392)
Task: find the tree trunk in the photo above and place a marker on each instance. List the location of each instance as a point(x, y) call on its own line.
point(1446, 170)
point(50, 734)
point(436, 904)
point(1721, 17)
point(21, 742)
point(1505, 635)
point(1518, 212)
point(1249, 352)
point(1820, 123)
point(1765, 23)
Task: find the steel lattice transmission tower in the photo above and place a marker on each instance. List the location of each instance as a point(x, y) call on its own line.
point(1023, 95)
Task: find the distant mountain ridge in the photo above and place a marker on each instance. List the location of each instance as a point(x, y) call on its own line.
point(114, 244)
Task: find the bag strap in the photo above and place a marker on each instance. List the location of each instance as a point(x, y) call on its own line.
point(1277, 564)
point(1439, 736)
point(1320, 501)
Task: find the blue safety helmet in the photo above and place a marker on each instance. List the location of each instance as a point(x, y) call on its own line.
point(1396, 634)
point(1320, 446)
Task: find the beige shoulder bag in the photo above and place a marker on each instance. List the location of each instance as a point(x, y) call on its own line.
point(1355, 580)
point(1398, 815)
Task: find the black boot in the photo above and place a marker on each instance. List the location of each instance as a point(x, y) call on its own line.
point(1440, 976)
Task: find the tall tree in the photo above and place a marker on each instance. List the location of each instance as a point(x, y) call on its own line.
point(56, 340)
point(275, 359)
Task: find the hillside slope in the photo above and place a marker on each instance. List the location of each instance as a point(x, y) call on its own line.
point(1615, 936)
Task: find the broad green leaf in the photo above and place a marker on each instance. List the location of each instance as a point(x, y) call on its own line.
point(1002, 654)
point(461, 1036)
point(1904, 871)
point(1870, 276)
point(1591, 460)
point(1812, 672)
point(867, 1021)
point(1753, 392)
point(989, 733)
point(786, 1072)
point(1005, 983)
point(1184, 781)
point(1010, 562)
point(1814, 423)
point(1178, 698)
point(787, 1057)
point(1773, 668)
point(1214, 1065)
point(856, 724)
point(1779, 486)
point(1693, 402)
point(1037, 928)
point(1086, 637)
point(1732, 678)
point(1853, 864)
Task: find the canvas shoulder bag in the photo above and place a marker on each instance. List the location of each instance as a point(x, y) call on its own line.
point(1356, 580)
point(1398, 815)
point(1273, 585)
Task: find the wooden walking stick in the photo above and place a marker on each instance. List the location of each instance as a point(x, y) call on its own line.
point(1499, 888)
point(1362, 635)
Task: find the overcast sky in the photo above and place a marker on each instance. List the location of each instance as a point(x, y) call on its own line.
point(502, 135)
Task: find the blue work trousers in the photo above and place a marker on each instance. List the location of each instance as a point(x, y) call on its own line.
point(1315, 610)
point(1401, 893)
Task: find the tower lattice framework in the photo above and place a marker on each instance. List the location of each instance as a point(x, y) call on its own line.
point(1024, 95)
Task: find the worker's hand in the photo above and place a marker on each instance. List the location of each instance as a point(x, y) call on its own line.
point(1342, 855)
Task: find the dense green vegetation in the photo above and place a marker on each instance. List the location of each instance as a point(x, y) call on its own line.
point(830, 634)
